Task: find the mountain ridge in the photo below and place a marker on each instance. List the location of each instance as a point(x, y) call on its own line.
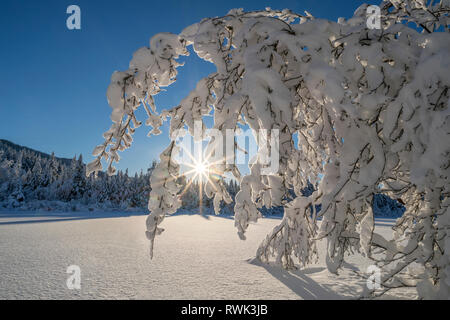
point(18, 147)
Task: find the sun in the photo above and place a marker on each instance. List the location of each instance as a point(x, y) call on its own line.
point(201, 169)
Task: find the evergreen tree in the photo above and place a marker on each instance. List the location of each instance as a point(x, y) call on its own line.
point(78, 178)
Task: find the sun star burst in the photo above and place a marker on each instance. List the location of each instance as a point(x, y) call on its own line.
point(201, 170)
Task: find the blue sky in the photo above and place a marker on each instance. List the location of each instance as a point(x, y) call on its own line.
point(53, 80)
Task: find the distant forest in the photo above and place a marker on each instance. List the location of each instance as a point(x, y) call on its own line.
point(32, 180)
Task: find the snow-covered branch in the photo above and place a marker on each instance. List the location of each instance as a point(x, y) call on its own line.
point(370, 111)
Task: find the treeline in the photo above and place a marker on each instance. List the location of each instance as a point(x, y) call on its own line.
point(32, 180)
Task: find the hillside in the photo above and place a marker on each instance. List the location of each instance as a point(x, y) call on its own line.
point(5, 145)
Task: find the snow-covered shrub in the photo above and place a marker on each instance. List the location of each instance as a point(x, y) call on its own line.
point(370, 109)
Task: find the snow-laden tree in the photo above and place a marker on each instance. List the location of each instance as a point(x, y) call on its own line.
point(370, 109)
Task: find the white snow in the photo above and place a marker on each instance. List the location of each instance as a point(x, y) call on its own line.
point(196, 258)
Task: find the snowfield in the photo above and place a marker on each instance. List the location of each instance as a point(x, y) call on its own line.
point(195, 258)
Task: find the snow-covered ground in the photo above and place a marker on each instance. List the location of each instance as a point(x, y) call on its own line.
point(195, 258)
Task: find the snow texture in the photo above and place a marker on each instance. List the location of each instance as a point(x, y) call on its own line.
point(195, 259)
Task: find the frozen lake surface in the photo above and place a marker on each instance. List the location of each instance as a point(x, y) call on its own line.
point(194, 258)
